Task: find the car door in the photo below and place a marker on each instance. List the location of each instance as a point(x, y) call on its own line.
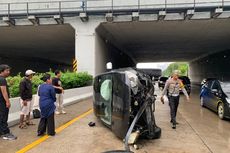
point(214, 96)
point(206, 93)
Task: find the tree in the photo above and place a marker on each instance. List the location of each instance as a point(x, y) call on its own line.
point(182, 66)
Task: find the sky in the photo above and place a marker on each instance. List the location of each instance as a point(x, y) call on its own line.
point(161, 65)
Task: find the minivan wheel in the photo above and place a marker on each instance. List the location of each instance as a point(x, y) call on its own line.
point(220, 111)
point(202, 101)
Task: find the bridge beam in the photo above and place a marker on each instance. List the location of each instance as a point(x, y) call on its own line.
point(84, 17)
point(33, 19)
point(109, 17)
point(217, 12)
point(9, 21)
point(59, 19)
point(189, 14)
point(135, 16)
point(161, 15)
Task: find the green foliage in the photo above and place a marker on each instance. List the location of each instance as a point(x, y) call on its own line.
point(13, 83)
point(183, 67)
point(36, 81)
point(74, 80)
point(69, 80)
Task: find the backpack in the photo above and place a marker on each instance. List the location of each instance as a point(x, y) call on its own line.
point(36, 113)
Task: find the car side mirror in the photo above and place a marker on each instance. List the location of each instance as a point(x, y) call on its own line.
point(214, 91)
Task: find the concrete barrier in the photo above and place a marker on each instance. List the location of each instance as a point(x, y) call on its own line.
point(71, 96)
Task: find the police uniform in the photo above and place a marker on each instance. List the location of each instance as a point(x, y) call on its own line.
point(172, 89)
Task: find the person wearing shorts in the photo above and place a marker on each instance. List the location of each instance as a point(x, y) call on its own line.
point(56, 81)
point(26, 99)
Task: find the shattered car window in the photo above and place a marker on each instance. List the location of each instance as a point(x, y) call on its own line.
point(106, 94)
point(106, 90)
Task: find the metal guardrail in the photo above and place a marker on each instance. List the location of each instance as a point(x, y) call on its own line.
point(103, 6)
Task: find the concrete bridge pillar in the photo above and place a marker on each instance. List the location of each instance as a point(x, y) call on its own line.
point(86, 47)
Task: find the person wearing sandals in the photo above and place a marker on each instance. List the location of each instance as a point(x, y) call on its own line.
point(4, 104)
point(47, 100)
point(25, 89)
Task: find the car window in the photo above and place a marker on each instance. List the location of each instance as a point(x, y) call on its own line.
point(105, 100)
point(164, 79)
point(209, 84)
point(215, 85)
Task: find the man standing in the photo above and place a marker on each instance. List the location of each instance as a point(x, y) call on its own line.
point(26, 99)
point(4, 103)
point(172, 89)
point(59, 92)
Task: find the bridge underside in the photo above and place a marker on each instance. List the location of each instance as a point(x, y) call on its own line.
point(162, 41)
point(193, 41)
point(124, 43)
point(37, 47)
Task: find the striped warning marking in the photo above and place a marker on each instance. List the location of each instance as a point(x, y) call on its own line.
point(75, 65)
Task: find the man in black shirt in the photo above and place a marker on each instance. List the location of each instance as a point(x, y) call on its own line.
point(4, 103)
point(59, 92)
point(25, 88)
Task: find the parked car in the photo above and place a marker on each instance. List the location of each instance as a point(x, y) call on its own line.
point(162, 81)
point(205, 80)
point(215, 95)
point(153, 73)
point(187, 83)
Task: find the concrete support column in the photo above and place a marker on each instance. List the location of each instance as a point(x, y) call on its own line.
point(85, 52)
point(101, 54)
point(85, 43)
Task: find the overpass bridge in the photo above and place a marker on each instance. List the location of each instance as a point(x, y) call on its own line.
point(96, 32)
point(48, 8)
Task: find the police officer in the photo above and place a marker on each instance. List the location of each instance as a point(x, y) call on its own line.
point(172, 89)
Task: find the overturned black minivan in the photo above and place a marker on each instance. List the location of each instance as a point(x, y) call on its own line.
point(124, 101)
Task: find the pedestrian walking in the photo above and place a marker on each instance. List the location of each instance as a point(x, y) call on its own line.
point(4, 103)
point(26, 94)
point(172, 90)
point(47, 99)
point(56, 81)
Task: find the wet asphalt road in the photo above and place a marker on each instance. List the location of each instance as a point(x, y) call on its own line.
point(199, 131)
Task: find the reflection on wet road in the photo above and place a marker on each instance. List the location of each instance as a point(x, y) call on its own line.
point(214, 132)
